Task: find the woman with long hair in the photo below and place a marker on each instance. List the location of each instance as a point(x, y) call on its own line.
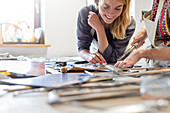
point(108, 26)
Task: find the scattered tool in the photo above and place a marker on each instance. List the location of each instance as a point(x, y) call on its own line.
point(64, 69)
point(81, 69)
point(113, 69)
point(15, 75)
point(151, 72)
point(55, 98)
point(41, 89)
point(4, 72)
point(128, 52)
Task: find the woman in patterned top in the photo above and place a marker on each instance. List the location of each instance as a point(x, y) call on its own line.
point(162, 38)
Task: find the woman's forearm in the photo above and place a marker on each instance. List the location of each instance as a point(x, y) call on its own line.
point(85, 54)
point(155, 54)
point(160, 54)
point(102, 39)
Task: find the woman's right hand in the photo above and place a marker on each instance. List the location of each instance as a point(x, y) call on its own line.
point(96, 58)
point(140, 37)
point(94, 21)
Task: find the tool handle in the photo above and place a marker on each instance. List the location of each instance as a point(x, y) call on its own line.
point(127, 53)
point(64, 69)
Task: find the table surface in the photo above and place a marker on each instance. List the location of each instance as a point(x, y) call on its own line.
point(37, 102)
point(23, 67)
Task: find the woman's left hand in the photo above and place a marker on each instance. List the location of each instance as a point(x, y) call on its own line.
point(130, 60)
point(94, 21)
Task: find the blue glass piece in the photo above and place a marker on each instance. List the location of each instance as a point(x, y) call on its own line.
point(53, 80)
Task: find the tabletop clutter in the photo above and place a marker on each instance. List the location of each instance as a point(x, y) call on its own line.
point(71, 81)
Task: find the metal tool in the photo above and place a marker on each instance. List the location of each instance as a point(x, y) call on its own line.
point(151, 72)
point(128, 52)
point(41, 89)
point(55, 98)
point(114, 70)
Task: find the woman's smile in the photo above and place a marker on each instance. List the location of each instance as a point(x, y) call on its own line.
point(109, 18)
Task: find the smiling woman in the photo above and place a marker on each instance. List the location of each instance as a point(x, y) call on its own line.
point(109, 26)
point(132, 6)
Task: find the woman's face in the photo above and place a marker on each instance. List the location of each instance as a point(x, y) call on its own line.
point(109, 10)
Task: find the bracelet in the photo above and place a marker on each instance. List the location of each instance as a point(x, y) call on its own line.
point(148, 55)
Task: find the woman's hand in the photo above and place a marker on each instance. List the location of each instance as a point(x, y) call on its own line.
point(140, 37)
point(94, 21)
point(96, 58)
point(132, 59)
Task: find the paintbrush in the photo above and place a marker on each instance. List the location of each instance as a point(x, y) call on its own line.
point(128, 52)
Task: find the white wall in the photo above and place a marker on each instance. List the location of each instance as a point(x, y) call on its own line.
point(141, 5)
point(60, 26)
point(59, 19)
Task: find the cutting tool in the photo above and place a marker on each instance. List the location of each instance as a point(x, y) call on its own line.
point(128, 52)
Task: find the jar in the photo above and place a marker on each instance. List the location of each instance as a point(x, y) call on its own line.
point(155, 87)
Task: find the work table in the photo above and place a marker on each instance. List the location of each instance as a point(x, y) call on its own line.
point(38, 101)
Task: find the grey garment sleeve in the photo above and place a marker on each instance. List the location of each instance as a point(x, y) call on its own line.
point(118, 46)
point(84, 37)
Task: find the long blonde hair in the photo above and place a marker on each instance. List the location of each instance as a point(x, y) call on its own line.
point(119, 25)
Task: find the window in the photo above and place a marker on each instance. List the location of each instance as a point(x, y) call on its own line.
point(20, 21)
